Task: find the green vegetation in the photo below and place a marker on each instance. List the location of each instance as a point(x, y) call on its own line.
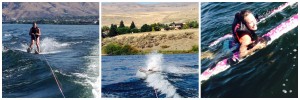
point(146, 28)
point(132, 25)
point(193, 24)
point(122, 29)
point(68, 20)
point(117, 49)
point(164, 46)
point(112, 31)
point(104, 28)
point(121, 24)
point(195, 49)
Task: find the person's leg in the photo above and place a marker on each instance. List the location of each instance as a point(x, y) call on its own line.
point(32, 41)
point(38, 43)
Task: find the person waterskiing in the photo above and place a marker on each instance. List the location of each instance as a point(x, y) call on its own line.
point(35, 33)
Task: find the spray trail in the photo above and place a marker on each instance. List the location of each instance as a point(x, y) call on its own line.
point(47, 46)
point(157, 80)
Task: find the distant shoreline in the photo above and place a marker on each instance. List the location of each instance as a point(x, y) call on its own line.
point(150, 52)
point(50, 24)
point(75, 20)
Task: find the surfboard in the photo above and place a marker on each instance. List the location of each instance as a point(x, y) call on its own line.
point(143, 73)
point(272, 35)
point(30, 51)
point(147, 71)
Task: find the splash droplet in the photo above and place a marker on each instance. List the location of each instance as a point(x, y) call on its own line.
point(281, 48)
point(284, 91)
point(286, 79)
point(283, 84)
point(295, 50)
point(291, 91)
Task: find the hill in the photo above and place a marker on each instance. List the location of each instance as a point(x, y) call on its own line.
point(166, 13)
point(174, 41)
point(31, 10)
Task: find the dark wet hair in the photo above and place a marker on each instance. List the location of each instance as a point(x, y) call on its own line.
point(245, 13)
point(241, 15)
point(33, 23)
point(243, 28)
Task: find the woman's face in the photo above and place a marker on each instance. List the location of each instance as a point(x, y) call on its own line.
point(251, 22)
point(34, 25)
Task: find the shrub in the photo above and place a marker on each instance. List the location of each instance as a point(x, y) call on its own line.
point(123, 30)
point(135, 30)
point(195, 48)
point(146, 28)
point(117, 49)
point(164, 46)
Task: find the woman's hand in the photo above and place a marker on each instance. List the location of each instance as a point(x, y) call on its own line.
point(261, 45)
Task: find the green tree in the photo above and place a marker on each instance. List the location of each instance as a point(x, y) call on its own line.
point(103, 31)
point(121, 24)
point(146, 28)
point(104, 28)
point(123, 30)
point(112, 31)
point(194, 24)
point(152, 29)
point(132, 26)
point(117, 49)
point(185, 26)
point(156, 27)
point(135, 30)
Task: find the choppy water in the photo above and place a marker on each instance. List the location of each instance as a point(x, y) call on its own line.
point(179, 76)
point(71, 50)
point(270, 72)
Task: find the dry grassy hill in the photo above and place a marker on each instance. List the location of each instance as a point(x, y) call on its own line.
point(17, 10)
point(113, 13)
point(175, 40)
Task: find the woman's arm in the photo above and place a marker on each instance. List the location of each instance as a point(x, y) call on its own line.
point(40, 32)
point(30, 32)
point(246, 40)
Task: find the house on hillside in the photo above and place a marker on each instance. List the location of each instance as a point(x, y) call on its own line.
point(176, 26)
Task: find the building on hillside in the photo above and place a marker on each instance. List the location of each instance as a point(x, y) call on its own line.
point(176, 26)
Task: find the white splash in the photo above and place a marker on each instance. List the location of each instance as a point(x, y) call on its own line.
point(154, 61)
point(90, 77)
point(156, 79)
point(47, 46)
point(158, 82)
point(93, 67)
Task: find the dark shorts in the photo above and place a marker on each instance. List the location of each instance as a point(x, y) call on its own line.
point(34, 37)
point(231, 45)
